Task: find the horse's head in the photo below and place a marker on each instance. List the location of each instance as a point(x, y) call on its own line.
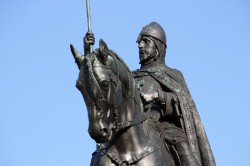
point(104, 81)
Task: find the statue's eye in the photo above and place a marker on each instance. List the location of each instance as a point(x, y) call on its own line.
point(146, 41)
point(105, 84)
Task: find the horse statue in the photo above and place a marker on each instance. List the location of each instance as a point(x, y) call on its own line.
point(117, 119)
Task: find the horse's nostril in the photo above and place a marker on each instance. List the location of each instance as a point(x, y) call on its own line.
point(104, 132)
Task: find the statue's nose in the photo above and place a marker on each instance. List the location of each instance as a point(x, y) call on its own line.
point(140, 44)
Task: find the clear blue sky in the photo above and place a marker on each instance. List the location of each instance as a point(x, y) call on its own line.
point(43, 118)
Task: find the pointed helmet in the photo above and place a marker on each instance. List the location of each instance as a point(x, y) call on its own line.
point(154, 30)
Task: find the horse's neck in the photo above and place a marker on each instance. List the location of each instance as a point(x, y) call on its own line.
point(136, 137)
point(128, 142)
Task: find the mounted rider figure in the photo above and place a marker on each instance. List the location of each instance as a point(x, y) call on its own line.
point(164, 91)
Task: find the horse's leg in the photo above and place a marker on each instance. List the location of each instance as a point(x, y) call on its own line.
point(94, 159)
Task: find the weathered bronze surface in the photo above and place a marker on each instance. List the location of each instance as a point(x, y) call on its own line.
point(144, 117)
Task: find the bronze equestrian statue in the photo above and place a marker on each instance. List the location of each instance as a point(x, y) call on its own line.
point(144, 117)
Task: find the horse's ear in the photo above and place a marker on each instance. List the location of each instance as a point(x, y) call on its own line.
point(104, 51)
point(77, 55)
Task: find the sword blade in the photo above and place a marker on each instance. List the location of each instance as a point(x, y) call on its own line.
point(89, 22)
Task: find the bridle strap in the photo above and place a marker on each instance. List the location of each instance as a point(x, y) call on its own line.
point(92, 76)
point(132, 122)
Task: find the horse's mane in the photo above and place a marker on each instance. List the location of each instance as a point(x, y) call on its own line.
point(134, 92)
point(113, 54)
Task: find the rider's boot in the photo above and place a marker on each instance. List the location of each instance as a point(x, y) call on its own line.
point(185, 154)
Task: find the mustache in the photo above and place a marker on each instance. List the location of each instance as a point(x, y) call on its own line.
point(141, 51)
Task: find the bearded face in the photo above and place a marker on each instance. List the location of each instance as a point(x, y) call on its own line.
point(147, 50)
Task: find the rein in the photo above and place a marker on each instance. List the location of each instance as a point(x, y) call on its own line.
point(125, 124)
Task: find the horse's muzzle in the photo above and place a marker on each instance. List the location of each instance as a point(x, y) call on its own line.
point(99, 134)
